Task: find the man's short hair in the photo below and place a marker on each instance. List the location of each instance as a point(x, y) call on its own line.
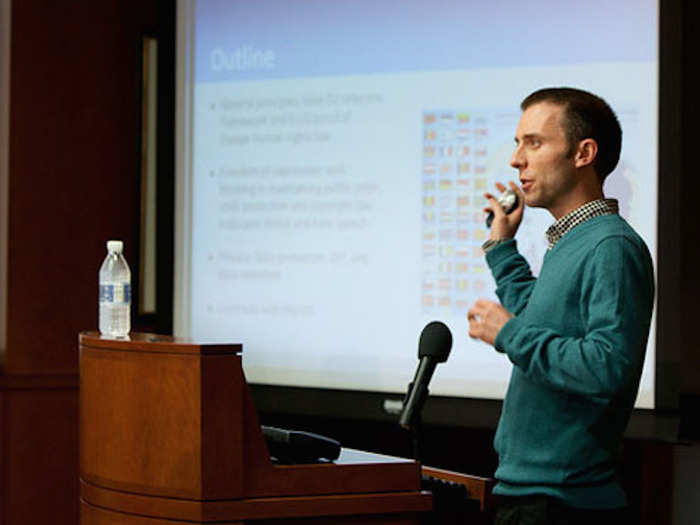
point(585, 116)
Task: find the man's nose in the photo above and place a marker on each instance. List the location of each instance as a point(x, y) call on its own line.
point(517, 160)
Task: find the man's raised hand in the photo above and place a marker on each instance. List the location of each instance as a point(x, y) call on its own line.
point(505, 226)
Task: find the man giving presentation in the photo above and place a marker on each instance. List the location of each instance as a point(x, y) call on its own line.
point(577, 333)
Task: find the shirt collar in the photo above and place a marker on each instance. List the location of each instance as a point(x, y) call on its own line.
point(580, 215)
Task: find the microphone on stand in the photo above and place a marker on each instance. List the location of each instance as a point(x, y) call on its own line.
point(433, 347)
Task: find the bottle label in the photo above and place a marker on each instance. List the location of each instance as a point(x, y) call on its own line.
point(115, 293)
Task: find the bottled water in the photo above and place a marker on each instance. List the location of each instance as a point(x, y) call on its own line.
point(115, 293)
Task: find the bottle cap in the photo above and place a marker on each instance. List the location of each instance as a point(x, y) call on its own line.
point(115, 246)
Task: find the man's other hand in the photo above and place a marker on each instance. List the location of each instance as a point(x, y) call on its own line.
point(486, 319)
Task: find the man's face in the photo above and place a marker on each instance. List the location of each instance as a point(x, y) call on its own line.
point(547, 171)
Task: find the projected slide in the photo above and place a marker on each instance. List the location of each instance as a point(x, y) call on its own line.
point(339, 156)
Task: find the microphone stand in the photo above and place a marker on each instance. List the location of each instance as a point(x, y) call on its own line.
point(415, 426)
point(416, 429)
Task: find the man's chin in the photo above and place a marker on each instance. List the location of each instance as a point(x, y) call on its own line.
point(531, 201)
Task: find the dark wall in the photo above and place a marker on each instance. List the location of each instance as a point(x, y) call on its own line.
point(689, 308)
point(73, 184)
point(74, 121)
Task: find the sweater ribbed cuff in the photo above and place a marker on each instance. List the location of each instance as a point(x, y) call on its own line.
point(506, 334)
point(497, 251)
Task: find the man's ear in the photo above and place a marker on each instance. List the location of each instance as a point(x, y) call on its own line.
point(585, 153)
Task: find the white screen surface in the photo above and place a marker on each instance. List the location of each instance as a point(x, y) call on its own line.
point(333, 159)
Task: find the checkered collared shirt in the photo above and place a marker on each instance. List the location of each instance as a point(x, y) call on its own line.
point(580, 215)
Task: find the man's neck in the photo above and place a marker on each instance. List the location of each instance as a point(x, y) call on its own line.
point(582, 194)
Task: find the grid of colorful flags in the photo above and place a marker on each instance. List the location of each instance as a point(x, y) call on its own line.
point(454, 176)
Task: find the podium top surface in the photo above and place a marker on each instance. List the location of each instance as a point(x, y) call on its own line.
point(350, 456)
point(144, 342)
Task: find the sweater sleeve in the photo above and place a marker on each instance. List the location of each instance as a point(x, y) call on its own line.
point(514, 279)
point(616, 304)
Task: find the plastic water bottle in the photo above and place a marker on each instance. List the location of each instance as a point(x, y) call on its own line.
point(115, 293)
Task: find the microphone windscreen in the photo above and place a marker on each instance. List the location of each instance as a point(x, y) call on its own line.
point(435, 341)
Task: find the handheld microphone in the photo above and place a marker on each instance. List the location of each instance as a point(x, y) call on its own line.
point(434, 347)
point(508, 201)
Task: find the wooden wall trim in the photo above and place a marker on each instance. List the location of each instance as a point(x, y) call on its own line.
point(5, 18)
point(39, 382)
point(39, 465)
point(3, 455)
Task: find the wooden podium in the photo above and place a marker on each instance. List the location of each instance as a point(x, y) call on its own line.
point(169, 434)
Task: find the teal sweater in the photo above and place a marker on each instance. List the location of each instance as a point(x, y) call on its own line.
point(577, 343)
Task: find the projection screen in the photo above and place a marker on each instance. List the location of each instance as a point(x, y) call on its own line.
point(331, 162)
